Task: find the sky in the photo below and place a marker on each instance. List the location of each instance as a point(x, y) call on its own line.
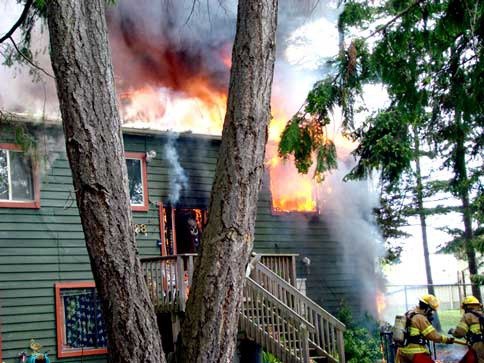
point(305, 52)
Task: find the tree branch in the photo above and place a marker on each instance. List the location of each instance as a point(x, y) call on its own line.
point(395, 18)
point(29, 61)
point(19, 22)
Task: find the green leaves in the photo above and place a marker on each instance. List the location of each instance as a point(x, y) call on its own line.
point(304, 138)
point(355, 14)
point(361, 337)
point(325, 159)
point(297, 141)
point(428, 55)
point(385, 146)
point(41, 6)
point(322, 99)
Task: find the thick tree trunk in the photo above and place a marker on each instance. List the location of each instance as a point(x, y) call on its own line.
point(81, 60)
point(210, 327)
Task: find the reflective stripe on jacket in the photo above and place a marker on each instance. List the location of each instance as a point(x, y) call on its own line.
point(420, 325)
point(469, 322)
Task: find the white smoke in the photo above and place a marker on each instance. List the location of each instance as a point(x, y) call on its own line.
point(23, 88)
point(178, 179)
point(347, 207)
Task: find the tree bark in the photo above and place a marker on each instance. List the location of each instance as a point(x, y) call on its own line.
point(423, 223)
point(421, 214)
point(463, 186)
point(210, 327)
point(81, 60)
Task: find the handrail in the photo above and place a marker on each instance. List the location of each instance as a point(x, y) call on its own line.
point(169, 279)
point(293, 290)
point(279, 303)
point(278, 254)
point(273, 325)
point(328, 337)
point(283, 265)
point(163, 258)
point(158, 258)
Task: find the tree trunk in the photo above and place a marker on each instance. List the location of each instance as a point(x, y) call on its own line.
point(210, 327)
point(81, 60)
point(421, 213)
point(463, 187)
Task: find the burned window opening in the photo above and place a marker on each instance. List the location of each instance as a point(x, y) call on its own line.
point(181, 229)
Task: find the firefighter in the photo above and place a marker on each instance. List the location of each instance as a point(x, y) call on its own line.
point(420, 331)
point(470, 327)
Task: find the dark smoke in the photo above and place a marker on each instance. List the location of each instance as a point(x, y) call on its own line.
point(169, 43)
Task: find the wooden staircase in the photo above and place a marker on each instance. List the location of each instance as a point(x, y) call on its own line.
point(273, 312)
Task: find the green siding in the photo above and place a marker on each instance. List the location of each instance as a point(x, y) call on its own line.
point(41, 247)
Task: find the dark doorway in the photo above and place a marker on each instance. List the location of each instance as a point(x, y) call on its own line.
point(181, 229)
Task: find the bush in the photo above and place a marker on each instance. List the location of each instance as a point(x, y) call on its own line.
point(362, 344)
point(269, 358)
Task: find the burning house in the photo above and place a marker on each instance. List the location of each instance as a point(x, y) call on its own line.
point(315, 241)
point(44, 262)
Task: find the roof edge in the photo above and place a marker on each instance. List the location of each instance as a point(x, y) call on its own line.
point(12, 117)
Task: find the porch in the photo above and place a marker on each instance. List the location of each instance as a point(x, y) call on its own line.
point(274, 313)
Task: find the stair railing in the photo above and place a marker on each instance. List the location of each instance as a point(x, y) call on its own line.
point(277, 328)
point(169, 279)
point(327, 337)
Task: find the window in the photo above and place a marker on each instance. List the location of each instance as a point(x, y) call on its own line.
point(138, 185)
point(291, 191)
point(79, 321)
point(19, 182)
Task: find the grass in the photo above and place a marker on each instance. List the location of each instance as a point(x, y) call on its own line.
point(449, 319)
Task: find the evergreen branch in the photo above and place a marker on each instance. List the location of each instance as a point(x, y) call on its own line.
point(19, 22)
point(29, 61)
point(394, 19)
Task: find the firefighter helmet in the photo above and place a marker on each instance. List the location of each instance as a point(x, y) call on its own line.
point(430, 300)
point(470, 300)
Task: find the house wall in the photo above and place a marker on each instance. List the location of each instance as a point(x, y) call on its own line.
point(44, 246)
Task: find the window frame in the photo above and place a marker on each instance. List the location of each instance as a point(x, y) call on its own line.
point(60, 321)
point(144, 180)
point(31, 204)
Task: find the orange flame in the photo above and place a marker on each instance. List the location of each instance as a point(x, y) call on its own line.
point(199, 106)
point(381, 303)
point(198, 109)
point(291, 191)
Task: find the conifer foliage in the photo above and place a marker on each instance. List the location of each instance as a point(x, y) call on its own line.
point(428, 54)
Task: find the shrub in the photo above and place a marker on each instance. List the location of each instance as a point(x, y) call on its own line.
point(361, 337)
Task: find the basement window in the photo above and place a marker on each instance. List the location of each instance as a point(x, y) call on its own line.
point(137, 179)
point(19, 181)
point(79, 321)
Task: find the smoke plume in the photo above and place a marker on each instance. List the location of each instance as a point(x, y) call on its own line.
point(347, 207)
point(178, 178)
point(24, 89)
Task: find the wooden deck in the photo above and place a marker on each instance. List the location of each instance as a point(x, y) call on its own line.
point(273, 313)
point(169, 277)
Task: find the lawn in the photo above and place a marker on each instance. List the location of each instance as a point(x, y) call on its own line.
point(449, 319)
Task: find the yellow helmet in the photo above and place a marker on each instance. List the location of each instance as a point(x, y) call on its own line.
point(470, 300)
point(430, 300)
